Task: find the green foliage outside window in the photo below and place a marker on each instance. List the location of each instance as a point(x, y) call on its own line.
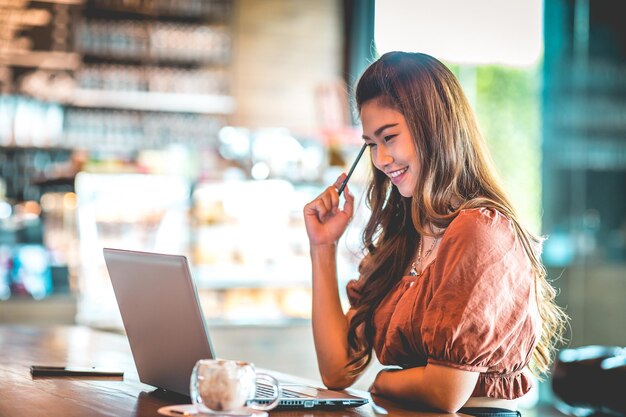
point(507, 105)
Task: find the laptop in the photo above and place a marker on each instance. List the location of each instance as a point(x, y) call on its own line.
point(166, 330)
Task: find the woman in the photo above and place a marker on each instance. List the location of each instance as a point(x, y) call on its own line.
point(451, 291)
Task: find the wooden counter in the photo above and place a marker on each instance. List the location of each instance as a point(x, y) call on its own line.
point(25, 396)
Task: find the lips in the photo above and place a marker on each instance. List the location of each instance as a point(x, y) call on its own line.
point(396, 176)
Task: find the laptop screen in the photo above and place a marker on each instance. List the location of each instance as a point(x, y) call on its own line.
point(161, 315)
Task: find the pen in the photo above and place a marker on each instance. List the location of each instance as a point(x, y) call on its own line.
point(356, 161)
point(45, 370)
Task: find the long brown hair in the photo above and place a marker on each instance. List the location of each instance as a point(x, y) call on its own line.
point(456, 174)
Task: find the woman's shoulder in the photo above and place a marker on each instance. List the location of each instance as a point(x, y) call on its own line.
point(484, 215)
point(481, 226)
point(479, 221)
point(481, 244)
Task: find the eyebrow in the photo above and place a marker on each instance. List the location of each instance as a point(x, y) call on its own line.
point(380, 129)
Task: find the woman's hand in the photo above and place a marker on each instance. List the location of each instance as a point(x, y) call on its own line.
point(442, 387)
point(325, 221)
point(377, 387)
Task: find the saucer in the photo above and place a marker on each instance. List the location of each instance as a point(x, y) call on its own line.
point(179, 410)
point(190, 410)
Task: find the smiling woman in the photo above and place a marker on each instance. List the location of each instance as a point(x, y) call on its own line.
point(462, 324)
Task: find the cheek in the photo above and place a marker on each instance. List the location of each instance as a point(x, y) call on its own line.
point(411, 152)
point(410, 148)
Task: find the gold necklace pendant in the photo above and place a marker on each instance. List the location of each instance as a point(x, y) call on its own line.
point(413, 271)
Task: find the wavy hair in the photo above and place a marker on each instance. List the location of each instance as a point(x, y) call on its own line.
point(456, 173)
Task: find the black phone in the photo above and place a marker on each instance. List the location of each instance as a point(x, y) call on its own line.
point(43, 370)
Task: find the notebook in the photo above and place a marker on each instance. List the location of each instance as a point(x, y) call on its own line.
point(166, 330)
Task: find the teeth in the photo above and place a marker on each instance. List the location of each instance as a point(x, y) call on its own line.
point(398, 172)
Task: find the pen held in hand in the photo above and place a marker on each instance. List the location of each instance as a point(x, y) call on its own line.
point(356, 161)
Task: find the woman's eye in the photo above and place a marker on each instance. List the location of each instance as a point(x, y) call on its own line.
point(389, 137)
point(370, 144)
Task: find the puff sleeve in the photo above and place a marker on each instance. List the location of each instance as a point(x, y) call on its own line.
point(481, 310)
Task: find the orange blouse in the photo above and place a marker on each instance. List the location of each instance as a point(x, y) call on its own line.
point(472, 308)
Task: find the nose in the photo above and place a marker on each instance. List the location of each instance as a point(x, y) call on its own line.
point(381, 156)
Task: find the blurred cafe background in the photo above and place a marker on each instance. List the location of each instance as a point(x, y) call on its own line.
point(202, 127)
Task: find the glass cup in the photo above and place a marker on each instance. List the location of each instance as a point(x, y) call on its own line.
point(228, 386)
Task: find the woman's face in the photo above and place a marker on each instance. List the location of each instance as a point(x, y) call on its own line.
point(391, 145)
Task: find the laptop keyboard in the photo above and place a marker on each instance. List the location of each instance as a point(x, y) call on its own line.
point(266, 391)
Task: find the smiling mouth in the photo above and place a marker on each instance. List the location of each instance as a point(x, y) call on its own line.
point(397, 173)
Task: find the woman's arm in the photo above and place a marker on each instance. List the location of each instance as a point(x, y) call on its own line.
point(442, 387)
point(330, 325)
point(325, 223)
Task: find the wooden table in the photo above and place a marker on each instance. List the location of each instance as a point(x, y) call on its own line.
point(24, 396)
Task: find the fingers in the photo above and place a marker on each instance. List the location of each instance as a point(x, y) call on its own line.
point(324, 205)
point(334, 199)
point(317, 208)
point(327, 203)
point(348, 206)
point(339, 181)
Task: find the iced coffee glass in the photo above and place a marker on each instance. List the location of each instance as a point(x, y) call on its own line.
point(229, 387)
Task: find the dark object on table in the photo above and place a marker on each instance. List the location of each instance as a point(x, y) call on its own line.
point(591, 380)
point(75, 371)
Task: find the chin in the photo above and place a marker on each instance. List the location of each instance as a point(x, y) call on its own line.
point(405, 193)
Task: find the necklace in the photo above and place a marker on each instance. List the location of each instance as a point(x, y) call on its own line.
point(418, 261)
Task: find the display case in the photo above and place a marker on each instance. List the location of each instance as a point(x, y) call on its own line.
point(245, 240)
point(125, 211)
point(250, 251)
